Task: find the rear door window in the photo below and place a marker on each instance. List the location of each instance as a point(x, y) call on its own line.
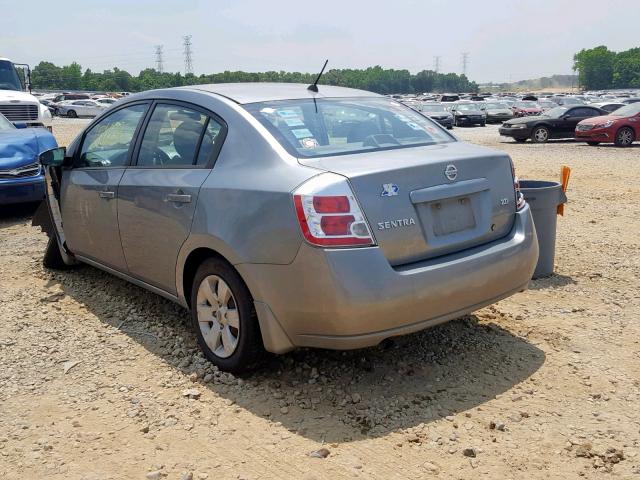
point(211, 142)
point(172, 137)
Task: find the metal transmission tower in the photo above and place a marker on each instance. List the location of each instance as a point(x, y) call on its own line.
point(465, 62)
point(188, 61)
point(159, 61)
point(436, 64)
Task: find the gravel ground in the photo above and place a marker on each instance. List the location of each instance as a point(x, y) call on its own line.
point(102, 380)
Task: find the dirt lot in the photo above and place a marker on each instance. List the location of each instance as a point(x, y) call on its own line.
point(102, 380)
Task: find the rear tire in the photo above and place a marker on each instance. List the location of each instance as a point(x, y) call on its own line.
point(225, 322)
point(540, 135)
point(593, 144)
point(72, 114)
point(520, 140)
point(52, 257)
point(624, 137)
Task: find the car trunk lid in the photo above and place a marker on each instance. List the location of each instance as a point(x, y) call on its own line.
point(424, 202)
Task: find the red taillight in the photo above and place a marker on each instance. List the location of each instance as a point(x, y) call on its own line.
point(336, 224)
point(520, 201)
point(329, 214)
point(334, 204)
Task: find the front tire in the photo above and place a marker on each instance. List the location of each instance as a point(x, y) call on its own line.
point(624, 137)
point(540, 135)
point(224, 318)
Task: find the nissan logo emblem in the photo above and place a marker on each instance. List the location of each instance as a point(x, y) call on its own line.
point(451, 172)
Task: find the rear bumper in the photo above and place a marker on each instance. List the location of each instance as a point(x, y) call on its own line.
point(22, 190)
point(353, 298)
point(498, 118)
point(445, 122)
point(470, 121)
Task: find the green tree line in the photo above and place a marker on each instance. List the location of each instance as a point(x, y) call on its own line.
point(600, 68)
point(46, 75)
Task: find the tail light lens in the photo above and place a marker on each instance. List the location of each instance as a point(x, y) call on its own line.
point(520, 201)
point(329, 214)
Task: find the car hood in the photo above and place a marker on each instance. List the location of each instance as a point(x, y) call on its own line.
point(469, 112)
point(21, 147)
point(14, 95)
point(520, 120)
point(601, 119)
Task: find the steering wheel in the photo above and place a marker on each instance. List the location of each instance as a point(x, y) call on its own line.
point(156, 156)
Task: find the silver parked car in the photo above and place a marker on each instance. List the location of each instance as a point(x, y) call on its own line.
point(283, 217)
point(496, 112)
point(81, 108)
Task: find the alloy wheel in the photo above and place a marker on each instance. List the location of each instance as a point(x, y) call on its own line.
point(218, 316)
point(541, 135)
point(625, 137)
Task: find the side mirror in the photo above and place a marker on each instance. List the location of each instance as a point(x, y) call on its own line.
point(53, 158)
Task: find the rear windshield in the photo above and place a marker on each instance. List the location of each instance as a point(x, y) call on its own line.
point(467, 107)
point(526, 105)
point(627, 111)
point(430, 107)
point(324, 127)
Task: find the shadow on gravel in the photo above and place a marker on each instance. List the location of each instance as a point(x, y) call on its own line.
point(553, 281)
point(327, 396)
point(16, 214)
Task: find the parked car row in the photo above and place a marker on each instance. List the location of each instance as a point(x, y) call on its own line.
point(588, 123)
point(75, 105)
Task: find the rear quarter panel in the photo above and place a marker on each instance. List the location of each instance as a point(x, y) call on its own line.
point(245, 209)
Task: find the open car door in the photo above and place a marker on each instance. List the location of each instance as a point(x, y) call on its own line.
point(48, 216)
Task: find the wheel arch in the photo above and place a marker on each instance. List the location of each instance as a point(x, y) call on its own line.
point(189, 259)
point(274, 337)
point(636, 134)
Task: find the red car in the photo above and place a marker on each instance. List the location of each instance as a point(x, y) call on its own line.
point(621, 127)
point(526, 109)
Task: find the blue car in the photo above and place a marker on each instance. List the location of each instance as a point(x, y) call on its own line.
point(21, 176)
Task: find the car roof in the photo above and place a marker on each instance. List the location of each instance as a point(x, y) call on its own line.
point(243, 93)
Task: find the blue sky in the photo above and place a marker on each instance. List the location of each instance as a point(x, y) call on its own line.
point(506, 40)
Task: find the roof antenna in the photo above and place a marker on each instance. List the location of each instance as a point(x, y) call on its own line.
point(314, 86)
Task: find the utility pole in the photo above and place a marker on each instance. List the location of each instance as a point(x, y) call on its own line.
point(159, 61)
point(188, 61)
point(436, 64)
point(465, 62)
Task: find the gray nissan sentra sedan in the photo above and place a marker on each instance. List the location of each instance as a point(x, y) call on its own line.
point(283, 217)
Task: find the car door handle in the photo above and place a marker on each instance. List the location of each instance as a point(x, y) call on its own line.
point(107, 194)
point(178, 198)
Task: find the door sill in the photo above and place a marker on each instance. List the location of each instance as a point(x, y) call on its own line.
point(129, 278)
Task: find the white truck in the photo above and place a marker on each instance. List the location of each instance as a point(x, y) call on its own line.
point(16, 101)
